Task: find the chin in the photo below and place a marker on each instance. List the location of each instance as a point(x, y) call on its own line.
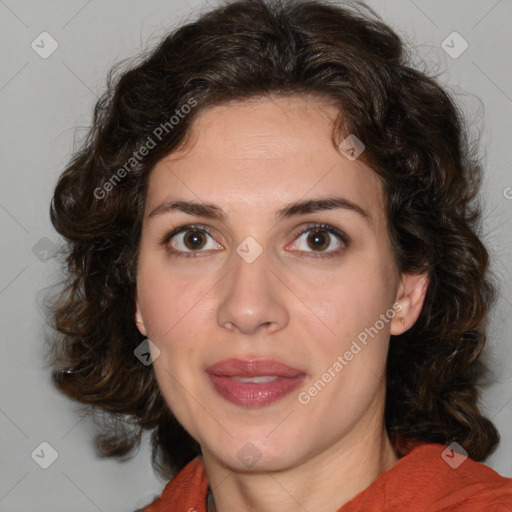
point(258, 455)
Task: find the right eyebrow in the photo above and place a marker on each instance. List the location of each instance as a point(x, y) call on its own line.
point(207, 210)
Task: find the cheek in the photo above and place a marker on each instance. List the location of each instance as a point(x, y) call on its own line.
point(351, 299)
point(177, 311)
point(173, 310)
point(167, 301)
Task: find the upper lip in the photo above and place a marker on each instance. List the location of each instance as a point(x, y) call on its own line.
point(252, 368)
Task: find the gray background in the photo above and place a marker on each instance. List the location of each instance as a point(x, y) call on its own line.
point(46, 103)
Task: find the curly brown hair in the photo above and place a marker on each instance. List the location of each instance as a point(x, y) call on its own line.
point(416, 140)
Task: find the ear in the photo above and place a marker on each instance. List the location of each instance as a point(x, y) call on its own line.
point(409, 301)
point(138, 317)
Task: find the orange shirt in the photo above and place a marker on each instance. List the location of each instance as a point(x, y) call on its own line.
point(424, 480)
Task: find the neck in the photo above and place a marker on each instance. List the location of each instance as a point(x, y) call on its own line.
point(323, 483)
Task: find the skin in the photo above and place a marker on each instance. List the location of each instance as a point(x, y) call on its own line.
point(250, 159)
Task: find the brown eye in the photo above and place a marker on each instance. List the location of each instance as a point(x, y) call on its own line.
point(191, 240)
point(194, 240)
point(318, 240)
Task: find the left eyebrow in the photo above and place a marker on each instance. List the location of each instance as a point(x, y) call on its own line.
point(316, 205)
point(296, 208)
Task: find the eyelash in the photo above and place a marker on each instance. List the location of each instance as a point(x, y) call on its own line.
point(343, 238)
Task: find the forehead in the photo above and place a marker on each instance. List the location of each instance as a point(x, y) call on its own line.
point(259, 154)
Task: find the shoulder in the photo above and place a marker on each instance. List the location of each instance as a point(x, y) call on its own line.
point(185, 491)
point(436, 478)
point(472, 486)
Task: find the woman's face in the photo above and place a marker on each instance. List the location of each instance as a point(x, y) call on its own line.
point(241, 293)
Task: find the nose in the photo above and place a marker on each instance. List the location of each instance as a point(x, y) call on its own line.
point(252, 298)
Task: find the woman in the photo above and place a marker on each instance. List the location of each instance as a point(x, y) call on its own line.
point(274, 264)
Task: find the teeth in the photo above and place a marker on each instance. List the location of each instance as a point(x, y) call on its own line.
point(256, 380)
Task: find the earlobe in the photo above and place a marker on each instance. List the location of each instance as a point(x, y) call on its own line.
point(138, 319)
point(409, 301)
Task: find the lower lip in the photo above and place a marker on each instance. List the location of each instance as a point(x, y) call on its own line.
point(249, 394)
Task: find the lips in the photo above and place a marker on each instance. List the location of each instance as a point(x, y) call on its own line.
point(253, 383)
point(246, 368)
